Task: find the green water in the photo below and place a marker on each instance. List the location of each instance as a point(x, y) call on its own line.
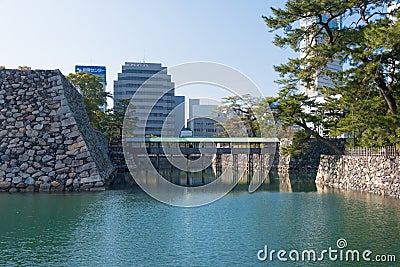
point(128, 228)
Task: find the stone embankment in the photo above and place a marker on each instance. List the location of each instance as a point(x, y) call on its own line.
point(46, 140)
point(306, 161)
point(374, 174)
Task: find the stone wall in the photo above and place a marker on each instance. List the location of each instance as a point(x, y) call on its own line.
point(281, 160)
point(373, 174)
point(46, 140)
point(306, 161)
point(250, 166)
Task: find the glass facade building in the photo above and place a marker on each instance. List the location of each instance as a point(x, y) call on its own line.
point(179, 112)
point(154, 101)
point(334, 65)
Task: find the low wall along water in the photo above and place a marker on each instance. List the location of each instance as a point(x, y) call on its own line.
point(309, 158)
point(372, 174)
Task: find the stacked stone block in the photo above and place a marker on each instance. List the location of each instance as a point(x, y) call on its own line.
point(46, 140)
point(372, 174)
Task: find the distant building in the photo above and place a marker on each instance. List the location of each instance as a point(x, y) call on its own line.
point(179, 112)
point(320, 80)
point(99, 71)
point(334, 65)
point(132, 77)
point(201, 118)
point(393, 6)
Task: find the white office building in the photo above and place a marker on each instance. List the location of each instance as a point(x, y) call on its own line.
point(179, 113)
point(334, 65)
point(202, 118)
point(153, 102)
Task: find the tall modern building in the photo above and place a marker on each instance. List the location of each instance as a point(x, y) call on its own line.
point(334, 65)
point(179, 112)
point(201, 118)
point(153, 102)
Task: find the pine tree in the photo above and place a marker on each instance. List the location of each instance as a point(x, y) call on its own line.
point(365, 99)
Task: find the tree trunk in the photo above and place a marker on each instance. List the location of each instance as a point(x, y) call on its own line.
point(323, 140)
point(384, 90)
point(333, 147)
point(390, 101)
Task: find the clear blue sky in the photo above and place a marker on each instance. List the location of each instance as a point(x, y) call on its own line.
point(60, 34)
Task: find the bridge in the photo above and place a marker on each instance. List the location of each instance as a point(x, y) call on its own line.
point(203, 145)
point(252, 154)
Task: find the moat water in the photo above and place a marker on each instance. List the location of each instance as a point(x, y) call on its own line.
point(129, 228)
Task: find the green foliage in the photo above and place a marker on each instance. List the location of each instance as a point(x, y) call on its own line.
point(24, 68)
point(298, 144)
point(112, 123)
point(270, 122)
point(93, 95)
point(2, 67)
point(364, 101)
point(246, 116)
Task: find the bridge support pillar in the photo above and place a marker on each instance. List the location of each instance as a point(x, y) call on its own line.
point(235, 168)
point(261, 166)
point(171, 170)
point(158, 162)
point(218, 164)
point(187, 171)
point(250, 165)
point(202, 171)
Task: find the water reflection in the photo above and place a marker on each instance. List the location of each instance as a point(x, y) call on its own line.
point(289, 182)
point(129, 228)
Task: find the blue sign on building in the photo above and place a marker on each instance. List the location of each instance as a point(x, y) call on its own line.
point(96, 70)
